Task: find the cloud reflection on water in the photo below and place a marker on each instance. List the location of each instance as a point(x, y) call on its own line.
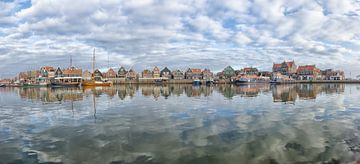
point(182, 124)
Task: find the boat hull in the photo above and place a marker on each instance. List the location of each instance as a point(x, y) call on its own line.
point(75, 84)
point(209, 83)
point(241, 81)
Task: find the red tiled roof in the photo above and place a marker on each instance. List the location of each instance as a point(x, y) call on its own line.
point(195, 70)
point(72, 71)
point(276, 65)
point(307, 68)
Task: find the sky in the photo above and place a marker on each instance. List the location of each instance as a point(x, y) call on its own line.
point(213, 34)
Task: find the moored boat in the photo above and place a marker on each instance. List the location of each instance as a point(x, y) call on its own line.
point(196, 82)
point(209, 82)
point(2, 85)
point(96, 79)
point(251, 79)
point(65, 84)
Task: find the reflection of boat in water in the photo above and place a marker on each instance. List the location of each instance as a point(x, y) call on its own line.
point(34, 85)
point(275, 81)
point(96, 80)
point(196, 82)
point(96, 83)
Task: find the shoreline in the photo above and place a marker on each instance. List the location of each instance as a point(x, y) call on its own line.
point(189, 81)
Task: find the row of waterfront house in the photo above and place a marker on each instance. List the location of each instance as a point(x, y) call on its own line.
point(286, 70)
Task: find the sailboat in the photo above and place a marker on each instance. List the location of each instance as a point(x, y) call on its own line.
point(95, 81)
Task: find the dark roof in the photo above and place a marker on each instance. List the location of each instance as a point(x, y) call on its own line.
point(165, 70)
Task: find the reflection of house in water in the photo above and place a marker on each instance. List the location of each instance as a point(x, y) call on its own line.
point(48, 95)
point(207, 90)
point(228, 91)
point(333, 88)
point(156, 91)
point(177, 89)
point(146, 90)
point(289, 93)
point(307, 91)
point(250, 90)
point(284, 93)
point(122, 91)
point(165, 91)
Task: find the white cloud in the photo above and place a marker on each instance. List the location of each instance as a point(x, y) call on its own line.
point(180, 33)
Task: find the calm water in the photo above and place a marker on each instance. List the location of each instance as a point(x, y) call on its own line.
point(181, 124)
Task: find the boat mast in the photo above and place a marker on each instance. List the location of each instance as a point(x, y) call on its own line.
point(93, 64)
point(70, 61)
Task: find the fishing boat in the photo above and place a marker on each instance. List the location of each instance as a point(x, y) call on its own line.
point(64, 83)
point(209, 82)
point(275, 81)
point(96, 80)
point(196, 82)
point(70, 77)
point(251, 79)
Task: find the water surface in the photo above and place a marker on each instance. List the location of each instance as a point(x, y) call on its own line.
point(304, 123)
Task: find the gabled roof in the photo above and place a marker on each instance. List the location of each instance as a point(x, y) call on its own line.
point(156, 69)
point(166, 69)
point(290, 64)
point(307, 68)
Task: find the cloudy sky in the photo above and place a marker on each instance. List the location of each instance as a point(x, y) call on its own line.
point(179, 33)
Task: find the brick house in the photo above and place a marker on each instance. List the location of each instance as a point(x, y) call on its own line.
point(308, 72)
point(285, 68)
point(193, 73)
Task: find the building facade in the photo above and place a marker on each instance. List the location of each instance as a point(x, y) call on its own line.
point(330, 74)
point(193, 73)
point(110, 74)
point(308, 72)
point(166, 73)
point(178, 75)
point(207, 74)
point(47, 72)
point(229, 72)
point(131, 75)
point(285, 68)
point(121, 72)
point(156, 72)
